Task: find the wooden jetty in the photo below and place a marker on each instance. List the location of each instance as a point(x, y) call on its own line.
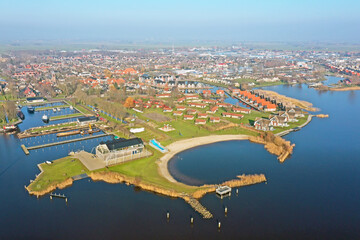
point(26, 151)
point(67, 141)
point(196, 205)
point(57, 195)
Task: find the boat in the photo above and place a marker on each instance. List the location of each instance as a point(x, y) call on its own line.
point(71, 107)
point(54, 109)
point(30, 109)
point(21, 115)
point(48, 162)
point(68, 133)
point(45, 118)
point(58, 109)
point(10, 128)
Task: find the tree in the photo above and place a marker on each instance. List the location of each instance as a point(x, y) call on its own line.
point(129, 102)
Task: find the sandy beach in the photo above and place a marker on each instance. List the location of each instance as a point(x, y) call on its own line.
point(179, 146)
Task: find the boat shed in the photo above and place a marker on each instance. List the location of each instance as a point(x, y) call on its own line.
point(87, 120)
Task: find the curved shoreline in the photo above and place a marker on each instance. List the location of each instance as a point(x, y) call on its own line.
point(182, 145)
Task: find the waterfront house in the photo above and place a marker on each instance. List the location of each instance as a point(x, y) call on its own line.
point(262, 124)
point(278, 121)
point(220, 92)
point(297, 111)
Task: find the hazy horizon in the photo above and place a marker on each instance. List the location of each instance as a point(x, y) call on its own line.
point(109, 20)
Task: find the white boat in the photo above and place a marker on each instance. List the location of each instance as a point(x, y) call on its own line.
point(54, 109)
point(45, 118)
point(58, 109)
point(71, 107)
point(48, 162)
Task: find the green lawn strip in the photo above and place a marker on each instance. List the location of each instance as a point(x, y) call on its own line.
point(57, 172)
point(51, 107)
point(53, 127)
point(66, 116)
point(82, 109)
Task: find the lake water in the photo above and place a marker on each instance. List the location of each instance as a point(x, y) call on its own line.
point(313, 195)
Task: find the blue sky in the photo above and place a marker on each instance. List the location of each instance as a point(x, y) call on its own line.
point(256, 20)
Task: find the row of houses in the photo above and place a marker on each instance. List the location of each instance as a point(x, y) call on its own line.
point(282, 119)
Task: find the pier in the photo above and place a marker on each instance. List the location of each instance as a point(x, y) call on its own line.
point(67, 141)
point(47, 132)
point(196, 205)
point(26, 151)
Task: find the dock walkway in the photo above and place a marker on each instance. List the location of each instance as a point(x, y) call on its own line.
point(67, 141)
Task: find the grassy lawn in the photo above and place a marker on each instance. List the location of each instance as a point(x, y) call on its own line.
point(146, 169)
point(66, 116)
point(57, 172)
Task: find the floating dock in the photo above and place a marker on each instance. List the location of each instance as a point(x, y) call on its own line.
point(65, 142)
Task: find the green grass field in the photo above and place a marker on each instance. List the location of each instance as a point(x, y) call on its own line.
point(57, 172)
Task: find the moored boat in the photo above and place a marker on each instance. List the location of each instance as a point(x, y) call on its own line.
point(30, 109)
point(45, 118)
point(10, 128)
point(21, 115)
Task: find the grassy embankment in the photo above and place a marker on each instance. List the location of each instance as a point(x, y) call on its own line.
point(56, 173)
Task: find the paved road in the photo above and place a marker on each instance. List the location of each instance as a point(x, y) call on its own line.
point(90, 161)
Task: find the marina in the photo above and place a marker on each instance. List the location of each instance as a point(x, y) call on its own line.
point(66, 141)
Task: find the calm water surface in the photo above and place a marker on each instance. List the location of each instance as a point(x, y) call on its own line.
point(313, 195)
